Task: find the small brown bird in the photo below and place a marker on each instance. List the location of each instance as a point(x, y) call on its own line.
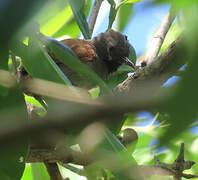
point(103, 54)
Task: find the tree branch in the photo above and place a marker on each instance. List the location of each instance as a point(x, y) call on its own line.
point(65, 156)
point(160, 69)
point(70, 156)
point(94, 15)
point(53, 171)
point(158, 39)
point(64, 115)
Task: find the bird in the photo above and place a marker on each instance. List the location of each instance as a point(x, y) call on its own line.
point(104, 54)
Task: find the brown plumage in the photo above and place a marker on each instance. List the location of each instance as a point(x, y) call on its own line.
point(103, 54)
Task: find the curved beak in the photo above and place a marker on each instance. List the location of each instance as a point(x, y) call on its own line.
point(127, 61)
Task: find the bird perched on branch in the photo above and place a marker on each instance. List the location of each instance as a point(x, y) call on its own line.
point(103, 54)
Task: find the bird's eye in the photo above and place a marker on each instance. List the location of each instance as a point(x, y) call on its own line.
point(126, 38)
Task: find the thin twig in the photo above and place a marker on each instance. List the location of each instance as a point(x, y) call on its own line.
point(94, 14)
point(158, 39)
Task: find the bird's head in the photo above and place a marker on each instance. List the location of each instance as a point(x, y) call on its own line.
point(113, 48)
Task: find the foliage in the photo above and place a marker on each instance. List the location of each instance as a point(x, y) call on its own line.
point(20, 36)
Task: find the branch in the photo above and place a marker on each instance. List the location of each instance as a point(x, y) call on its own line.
point(160, 69)
point(158, 39)
point(53, 171)
point(94, 14)
point(70, 156)
point(180, 164)
point(65, 156)
point(65, 115)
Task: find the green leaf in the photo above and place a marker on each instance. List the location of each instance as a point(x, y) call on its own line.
point(174, 31)
point(182, 105)
point(124, 15)
point(64, 54)
point(4, 57)
point(14, 16)
point(54, 16)
point(132, 54)
point(39, 171)
point(27, 175)
point(114, 79)
point(111, 145)
point(112, 14)
point(94, 92)
point(114, 157)
point(40, 65)
point(71, 27)
point(12, 154)
point(77, 7)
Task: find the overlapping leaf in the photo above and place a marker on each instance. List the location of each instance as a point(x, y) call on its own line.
point(78, 11)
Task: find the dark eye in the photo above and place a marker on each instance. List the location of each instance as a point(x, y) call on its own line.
point(126, 38)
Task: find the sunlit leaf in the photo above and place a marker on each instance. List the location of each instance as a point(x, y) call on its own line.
point(71, 27)
point(27, 175)
point(77, 7)
point(39, 171)
point(124, 15)
point(39, 64)
point(112, 14)
point(174, 31)
point(54, 16)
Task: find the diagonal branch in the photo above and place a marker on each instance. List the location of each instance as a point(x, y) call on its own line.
point(94, 15)
point(161, 68)
point(158, 39)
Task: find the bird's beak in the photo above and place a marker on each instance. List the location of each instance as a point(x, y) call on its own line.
point(127, 61)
